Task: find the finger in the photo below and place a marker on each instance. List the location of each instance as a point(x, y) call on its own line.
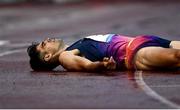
point(111, 59)
point(105, 59)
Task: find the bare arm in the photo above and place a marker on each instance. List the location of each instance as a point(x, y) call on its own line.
point(71, 61)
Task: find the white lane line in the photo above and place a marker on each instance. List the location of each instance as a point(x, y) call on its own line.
point(165, 86)
point(9, 44)
point(18, 45)
point(151, 93)
point(3, 42)
point(11, 52)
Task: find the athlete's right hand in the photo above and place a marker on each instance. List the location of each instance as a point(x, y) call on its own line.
point(109, 63)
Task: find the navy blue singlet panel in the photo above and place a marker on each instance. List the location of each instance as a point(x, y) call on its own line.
point(90, 49)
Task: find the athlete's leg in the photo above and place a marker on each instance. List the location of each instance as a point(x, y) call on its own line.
point(175, 44)
point(149, 58)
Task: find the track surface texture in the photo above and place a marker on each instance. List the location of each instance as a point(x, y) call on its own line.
point(20, 87)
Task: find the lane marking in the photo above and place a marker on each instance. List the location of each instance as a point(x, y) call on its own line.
point(151, 93)
point(165, 86)
point(22, 45)
point(11, 52)
point(18, 45)
point(9, 44)
point(3, 42)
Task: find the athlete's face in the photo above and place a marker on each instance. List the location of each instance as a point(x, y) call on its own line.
point(49, 46)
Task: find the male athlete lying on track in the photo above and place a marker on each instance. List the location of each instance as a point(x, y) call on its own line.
point(106, 52)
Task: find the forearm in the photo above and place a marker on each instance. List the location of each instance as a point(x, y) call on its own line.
point(88, 66)
point(106, 64)
point(73, 62)
point(95, 66)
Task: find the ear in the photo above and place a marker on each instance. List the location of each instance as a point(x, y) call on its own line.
point(47, 57)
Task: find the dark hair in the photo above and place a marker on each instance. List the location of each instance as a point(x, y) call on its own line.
point(35, 62)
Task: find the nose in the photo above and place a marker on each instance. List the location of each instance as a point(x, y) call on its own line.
point(50, 40)
point(47, 40)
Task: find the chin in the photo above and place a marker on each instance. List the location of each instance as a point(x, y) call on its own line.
point(59, 41)
point(60, 44)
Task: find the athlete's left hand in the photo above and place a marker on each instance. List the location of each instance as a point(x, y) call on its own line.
point(109, 63)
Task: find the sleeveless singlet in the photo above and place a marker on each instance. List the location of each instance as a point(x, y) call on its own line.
point(96, 47)
point(121, 48)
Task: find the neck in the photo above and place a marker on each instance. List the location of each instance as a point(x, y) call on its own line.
point(56, 56)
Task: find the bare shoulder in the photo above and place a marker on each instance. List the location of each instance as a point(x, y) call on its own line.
point(71, 60)
point(68, 55)
point(71, 52)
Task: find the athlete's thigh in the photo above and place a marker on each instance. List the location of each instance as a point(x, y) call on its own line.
point(154, 57)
